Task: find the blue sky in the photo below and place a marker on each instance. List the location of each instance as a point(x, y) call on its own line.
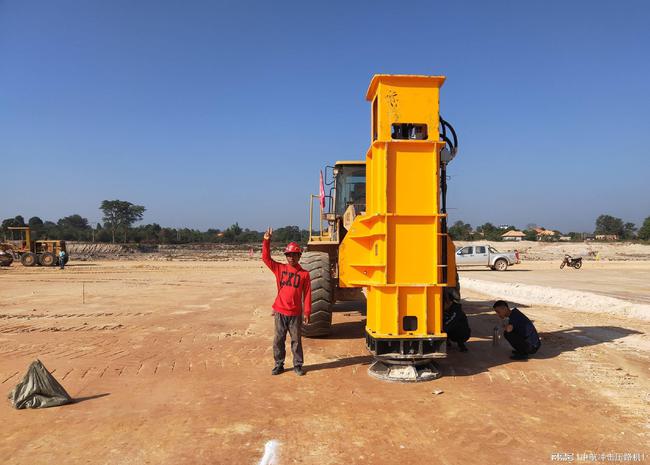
point(214, 112)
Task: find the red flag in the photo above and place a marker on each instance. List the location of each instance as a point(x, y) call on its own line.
point(321, 192)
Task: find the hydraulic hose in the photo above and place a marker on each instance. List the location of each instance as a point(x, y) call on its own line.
point(443, 221)
point(453, 147)
point(444, 125)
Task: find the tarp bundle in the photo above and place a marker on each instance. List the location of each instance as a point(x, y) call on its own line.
point(38, 389)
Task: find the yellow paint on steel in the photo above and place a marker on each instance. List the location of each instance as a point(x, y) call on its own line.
point(394, 249)
point(350, 162)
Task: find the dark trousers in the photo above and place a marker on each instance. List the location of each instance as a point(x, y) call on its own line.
point(292, 324)
point(519, 343)
point(459, 336)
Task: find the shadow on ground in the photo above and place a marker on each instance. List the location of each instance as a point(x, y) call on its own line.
point(76, 400)
point(480, 270)
point(342, 362)
point(482, 354)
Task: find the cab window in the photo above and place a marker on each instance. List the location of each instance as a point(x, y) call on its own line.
point(351, 188)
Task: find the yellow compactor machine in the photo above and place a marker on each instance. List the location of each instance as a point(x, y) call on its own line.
point(384, 228)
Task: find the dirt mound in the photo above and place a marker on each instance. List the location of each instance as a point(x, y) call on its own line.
point(93, 250)
point(529, 294)
point(82, 251)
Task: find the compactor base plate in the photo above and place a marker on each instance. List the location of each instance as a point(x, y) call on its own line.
point(404, 373)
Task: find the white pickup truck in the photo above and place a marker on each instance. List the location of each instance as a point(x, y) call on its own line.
point(486, 255)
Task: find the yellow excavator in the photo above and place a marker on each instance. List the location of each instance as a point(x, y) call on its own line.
point(382, 227)
point(30, 252)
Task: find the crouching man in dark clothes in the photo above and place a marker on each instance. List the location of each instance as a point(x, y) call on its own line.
point(518, 330)
point(294, 288)
point(454, 322)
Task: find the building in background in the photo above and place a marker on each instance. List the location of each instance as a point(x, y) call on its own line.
point(545, 234)
point(513, 235)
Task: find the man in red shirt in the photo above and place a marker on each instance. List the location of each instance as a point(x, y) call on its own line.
point(294, 287)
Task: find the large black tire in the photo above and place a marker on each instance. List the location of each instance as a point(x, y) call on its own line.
point(320, 272)
point(6, 259)
point(47, 259)
point(501, 265)
point(29, 259)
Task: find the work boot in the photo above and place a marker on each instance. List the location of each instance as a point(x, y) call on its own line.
point(462, 347)
point(277, 370)
point(299, 371)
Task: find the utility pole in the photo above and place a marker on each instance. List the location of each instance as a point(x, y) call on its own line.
point(93, 226)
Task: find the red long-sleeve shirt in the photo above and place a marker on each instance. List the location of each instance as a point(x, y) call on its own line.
point(294, 285)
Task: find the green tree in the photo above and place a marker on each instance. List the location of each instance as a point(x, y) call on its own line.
point(644, 231)
point(531, 234)
point(231, 234)
point(489, 232)
point(120, 215)
point(36, 226)
point(629, 231)
point(607, 224)
point(13, 222)
point(7, 223)
point(74, 227)
point(50, 230)
point(576, 236)
point(74, 222)
point(460, 231)
point(287, 234)
point(35, 222)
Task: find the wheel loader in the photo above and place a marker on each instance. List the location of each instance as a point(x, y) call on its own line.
point(31, 252)
point(382, 227)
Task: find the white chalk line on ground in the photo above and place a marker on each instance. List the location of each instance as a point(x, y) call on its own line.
point(530, 294)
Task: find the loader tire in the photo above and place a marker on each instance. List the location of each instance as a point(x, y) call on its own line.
point(6, 259)
point(28, 259)
point(47, 259)
point(320, 273)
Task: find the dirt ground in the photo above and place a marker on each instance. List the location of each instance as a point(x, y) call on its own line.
point(626, 280)
point(170, 363)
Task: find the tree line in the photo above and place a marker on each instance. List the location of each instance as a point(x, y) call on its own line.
point(119, 218)
point(606, 225)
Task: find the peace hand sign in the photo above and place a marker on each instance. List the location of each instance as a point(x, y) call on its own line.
point(268, 234)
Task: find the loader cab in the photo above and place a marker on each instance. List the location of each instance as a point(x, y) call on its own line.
point(345, 197)
point(349, 187)
point(20, 238)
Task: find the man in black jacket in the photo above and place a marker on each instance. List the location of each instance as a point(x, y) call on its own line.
point(454, 321)
point(518, 330)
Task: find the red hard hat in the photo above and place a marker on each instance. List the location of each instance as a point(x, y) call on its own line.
point(292, 247)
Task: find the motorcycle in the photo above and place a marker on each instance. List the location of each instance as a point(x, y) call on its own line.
point(572, 262)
